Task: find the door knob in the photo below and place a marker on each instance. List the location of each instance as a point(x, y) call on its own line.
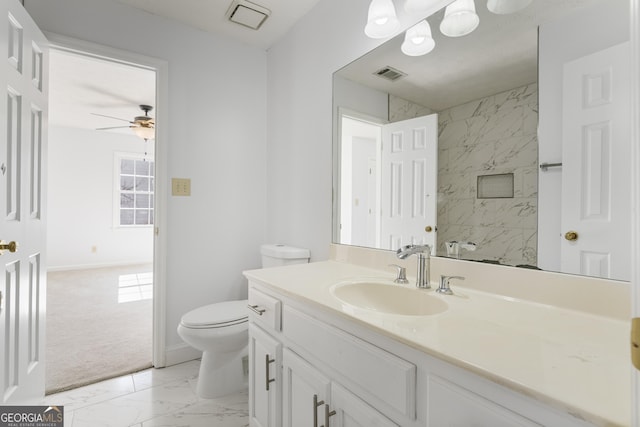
point(571, 236)
point(11, 246)
point(428, 229)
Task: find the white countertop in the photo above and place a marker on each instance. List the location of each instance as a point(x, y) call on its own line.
point(571, 360)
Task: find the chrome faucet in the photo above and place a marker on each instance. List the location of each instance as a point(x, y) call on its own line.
point(402, 274)
point(444, 284)
point(423, 252)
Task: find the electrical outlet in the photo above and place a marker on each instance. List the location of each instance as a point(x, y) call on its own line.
point(180, 187)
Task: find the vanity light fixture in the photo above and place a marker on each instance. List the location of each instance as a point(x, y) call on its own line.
point(418, 40)
point(382, 21)
point(504, 7)
point(460, 19)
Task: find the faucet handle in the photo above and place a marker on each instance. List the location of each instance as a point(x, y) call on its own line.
point(444, 284)
point(402, 274)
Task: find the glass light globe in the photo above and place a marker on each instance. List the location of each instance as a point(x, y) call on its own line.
point(382, 21)
point(418, 40)
point(460, 19)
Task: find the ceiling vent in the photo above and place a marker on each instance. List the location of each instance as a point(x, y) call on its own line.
point(248, 14)
point(390, 73)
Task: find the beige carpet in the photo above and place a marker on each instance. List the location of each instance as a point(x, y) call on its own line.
point(99, 325)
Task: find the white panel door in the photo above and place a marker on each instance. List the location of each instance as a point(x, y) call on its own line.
point(305, 392)
point(596, 173)
point(22, 219)
point(409, 182)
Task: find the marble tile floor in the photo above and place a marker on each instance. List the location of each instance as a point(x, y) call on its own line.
point(154, 397)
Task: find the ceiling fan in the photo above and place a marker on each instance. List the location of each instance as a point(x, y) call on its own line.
point(142, 126)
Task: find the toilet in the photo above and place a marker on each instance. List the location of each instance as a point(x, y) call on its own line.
point(221, 332)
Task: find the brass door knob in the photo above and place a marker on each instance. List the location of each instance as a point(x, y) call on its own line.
point(428, 229)
point(11, 246)
point(571, 236)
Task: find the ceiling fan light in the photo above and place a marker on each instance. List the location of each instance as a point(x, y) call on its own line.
point(504, 7)
point(418, 40)
point(144, 132)
point(382, 21)
point(460, 19)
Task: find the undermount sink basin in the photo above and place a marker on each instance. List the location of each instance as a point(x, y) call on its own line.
point(386, 298)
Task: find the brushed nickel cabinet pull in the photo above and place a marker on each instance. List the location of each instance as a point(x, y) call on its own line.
point(327, 414)
point(267, 362)
point(316, 405)
point(255, 309)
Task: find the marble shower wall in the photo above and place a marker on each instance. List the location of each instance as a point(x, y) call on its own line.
point(493, 135)
point(401, 109)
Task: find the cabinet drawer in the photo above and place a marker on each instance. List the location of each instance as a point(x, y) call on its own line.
point(385, 380)
point(265, 310)
point(450, 404)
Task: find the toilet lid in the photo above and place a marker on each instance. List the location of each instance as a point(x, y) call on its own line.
point(219, 314)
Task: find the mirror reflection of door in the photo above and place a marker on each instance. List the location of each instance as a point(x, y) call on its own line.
point(409, 182)
point(389, 182)
point(595, 170)
point(360, 186)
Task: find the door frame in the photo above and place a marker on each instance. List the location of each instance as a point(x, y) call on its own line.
point(635, 188)
point(161, 69)
point(341, 113)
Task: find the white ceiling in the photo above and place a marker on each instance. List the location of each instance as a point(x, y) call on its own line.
point(81, 86)
point(210, 16)
point(437, 80)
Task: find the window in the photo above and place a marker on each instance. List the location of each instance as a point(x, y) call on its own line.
point(136, 186)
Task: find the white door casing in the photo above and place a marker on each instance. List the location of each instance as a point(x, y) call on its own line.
point(22, 202)
point(409, 182)
point(635, 192)
point(596, 176)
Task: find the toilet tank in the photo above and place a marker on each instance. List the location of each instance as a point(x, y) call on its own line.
point(274, 255)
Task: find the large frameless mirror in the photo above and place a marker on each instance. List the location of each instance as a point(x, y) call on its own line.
point(508, 145)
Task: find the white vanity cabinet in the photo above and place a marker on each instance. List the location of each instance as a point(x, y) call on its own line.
point(265, 361)
point(265, 382)
point(312, 399)
point(327, 370)
point(451, 405)
point(305, 392)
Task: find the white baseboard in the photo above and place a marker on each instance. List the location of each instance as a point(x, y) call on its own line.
point(92, 266)
point(181, 353)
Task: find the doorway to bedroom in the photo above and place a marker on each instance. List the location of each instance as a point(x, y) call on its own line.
point(101, 182)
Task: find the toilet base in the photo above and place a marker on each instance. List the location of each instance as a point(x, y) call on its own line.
point(221, 374)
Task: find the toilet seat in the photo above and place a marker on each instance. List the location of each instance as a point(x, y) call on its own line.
point(218, 315)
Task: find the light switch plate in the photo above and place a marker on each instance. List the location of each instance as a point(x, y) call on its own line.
point(180, 187)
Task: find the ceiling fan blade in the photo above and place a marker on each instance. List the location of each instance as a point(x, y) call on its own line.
point(115, 127)
point(111, 117)
point(111, 94)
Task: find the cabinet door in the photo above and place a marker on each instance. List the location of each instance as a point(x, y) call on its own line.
point(305, 390)
point(352, 412)
point(453, 406)
point(265, 379)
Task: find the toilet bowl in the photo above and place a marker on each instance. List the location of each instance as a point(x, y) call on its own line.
point(221, 332)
